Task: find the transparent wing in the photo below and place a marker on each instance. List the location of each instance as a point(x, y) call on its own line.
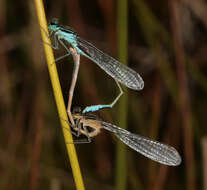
point(154, 150)
point(111, 66)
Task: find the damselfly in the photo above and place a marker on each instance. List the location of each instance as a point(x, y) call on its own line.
point(90, 126)
point(118, 71)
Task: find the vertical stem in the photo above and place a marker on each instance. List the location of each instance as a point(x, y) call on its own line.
point(204, 153)
point(58, 96)
point(184, 99)
point(122, 25)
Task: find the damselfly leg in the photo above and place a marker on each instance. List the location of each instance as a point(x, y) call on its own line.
point(102, 106)
point(77, 131)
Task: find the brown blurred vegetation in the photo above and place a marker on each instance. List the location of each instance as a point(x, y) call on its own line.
point(167, 46)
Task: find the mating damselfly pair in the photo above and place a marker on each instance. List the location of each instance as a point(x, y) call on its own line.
point(85, 122)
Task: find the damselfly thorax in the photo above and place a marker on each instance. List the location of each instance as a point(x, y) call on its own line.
point(87, 124)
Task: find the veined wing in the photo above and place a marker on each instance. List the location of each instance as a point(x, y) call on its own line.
point(154, 150)
point(111, 66)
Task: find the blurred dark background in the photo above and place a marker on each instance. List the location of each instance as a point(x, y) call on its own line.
point(167, 45)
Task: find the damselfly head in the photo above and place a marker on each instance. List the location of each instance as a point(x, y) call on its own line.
point(77, 117)
point(76, 109)
point(53, 26)
point(54, 21)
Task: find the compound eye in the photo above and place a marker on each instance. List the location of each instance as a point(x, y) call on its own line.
point(54, 21)
point(76, 110)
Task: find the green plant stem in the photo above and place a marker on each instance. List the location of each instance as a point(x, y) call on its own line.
point(58, 96)
point(122, 25)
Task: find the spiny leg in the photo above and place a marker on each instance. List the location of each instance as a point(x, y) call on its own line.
point(56, 46)
point(98, 107)
point(80, 141)
point(78, 127)
point(68, 51)
point(46, 34)
point(75, 126)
